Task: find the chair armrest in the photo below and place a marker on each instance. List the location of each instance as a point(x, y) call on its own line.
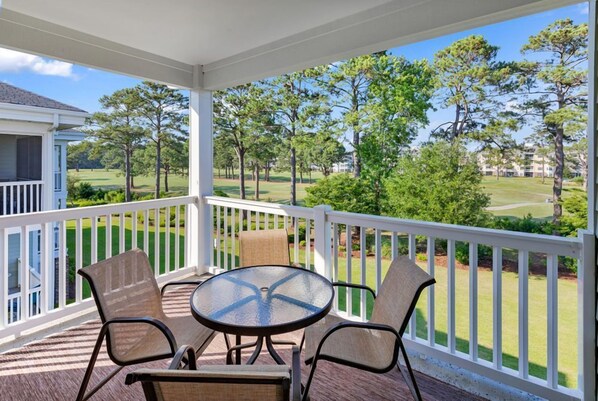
point(183, 282)
point(147, 320)
point(351, 285)
point(184, 351)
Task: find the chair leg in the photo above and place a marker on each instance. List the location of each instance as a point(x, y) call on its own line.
point(309, 379)
point(409, 376)
point(81, 396)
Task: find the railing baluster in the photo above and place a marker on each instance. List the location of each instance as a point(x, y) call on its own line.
point(552, 367)
point(335, 260)
point(497, 307)
point(167, 239)
point(134, 218)
point(225, 239)
point(308, 244)
point(25, 199)
point(523, 267)
point(146, 231)
point(233, 251)
point(121, 233)
point(378, 256)
point(257, 221)
point(451, 341)
point(18, 196)
point(349, 252)
point(24, 273)
point(296, 241)
point(394, 241)
point(218, 223)
point(362, 265)
point(431, 300)
point(185, 240)
point(177, 239)
point(276, 226)
point(108, 235)
point(157, 242)
point(266, 221)
point(413, 319)
point(62, 271)
point(473, 301)
point(94, 239)
point(79, 259)
point(46, 265)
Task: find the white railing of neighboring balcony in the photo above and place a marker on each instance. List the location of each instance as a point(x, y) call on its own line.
point(20, 197)
point(361, 260)
point(156, 226)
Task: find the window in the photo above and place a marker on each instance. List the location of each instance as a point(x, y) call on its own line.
point(57, 168)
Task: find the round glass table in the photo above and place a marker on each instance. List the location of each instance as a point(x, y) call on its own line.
point(261, 301)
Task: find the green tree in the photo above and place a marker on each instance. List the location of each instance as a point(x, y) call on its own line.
point(162, 110)
point(556, 90)
point(468, 80)
point(577, 214)
point(542, 150)
point(442, 183)
point(501, 150)
point(117, 128)
point(79, 156)
point(577, 152)
point(398, 99)
point(299, 110)
point(348, 82)
point(224, 156)
point(342, 192)
point(240, 115)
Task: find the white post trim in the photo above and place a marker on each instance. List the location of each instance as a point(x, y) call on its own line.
point(200, 179)
point(322, 251)
point(48, 169)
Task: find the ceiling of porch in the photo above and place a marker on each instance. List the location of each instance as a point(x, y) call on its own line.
point(202, 43)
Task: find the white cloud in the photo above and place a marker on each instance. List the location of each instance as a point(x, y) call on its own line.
point(583, 8)
point(13, 61)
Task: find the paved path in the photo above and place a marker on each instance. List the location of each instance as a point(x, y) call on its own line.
point(515, 205)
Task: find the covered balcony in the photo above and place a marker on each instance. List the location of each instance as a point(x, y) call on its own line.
point(461, 341)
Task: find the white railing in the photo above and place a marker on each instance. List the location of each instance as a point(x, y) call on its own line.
point(20, 197)
point(469, 325)
point(157, 226)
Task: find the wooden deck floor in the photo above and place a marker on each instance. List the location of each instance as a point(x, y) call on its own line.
point(51, 369)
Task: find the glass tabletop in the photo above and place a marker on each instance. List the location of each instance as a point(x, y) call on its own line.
point(262, 300)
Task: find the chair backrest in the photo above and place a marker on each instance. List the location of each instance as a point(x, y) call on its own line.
point(124, 286)
point(217, 383)
point(399, 293)
point(264, 247)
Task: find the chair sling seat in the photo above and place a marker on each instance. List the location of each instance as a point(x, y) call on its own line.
point(368, 349)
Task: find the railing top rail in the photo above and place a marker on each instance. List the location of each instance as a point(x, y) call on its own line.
point(20, 182)
point(502, 238)
point(91, 211)
point(262, 207)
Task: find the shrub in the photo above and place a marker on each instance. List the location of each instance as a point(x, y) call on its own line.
point(85, 191)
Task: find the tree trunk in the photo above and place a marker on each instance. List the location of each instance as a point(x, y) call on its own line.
point(543, 174)
point(300, 176)
point(127, 175)
point(132, 181)
point(497, 173)
point(557, 186)
point(257, 182)
point(158, 165)
point(241, 174)
point(356, 158)
point(166, 171)
point(293, 177)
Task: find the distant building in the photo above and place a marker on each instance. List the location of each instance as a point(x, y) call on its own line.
point(529, 164)
point(34, 133)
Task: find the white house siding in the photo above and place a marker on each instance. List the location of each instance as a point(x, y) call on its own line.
point(8, 157)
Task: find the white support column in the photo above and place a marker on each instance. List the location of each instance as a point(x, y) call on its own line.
point(199, 246)
point(48, 167)
point(322, 243)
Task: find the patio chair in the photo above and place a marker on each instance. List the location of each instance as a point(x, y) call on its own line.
point(374, 345)
point(264, 247)
point(217, 383)
point(133, 321)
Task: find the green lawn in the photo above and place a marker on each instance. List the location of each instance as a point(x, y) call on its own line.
point(508, 192)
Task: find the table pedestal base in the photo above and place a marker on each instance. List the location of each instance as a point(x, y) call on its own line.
point(258, 344)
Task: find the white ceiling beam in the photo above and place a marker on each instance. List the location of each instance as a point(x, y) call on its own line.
point(384, 27)
point(32, 35)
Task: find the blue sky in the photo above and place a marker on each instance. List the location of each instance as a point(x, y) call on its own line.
point(82, 87)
